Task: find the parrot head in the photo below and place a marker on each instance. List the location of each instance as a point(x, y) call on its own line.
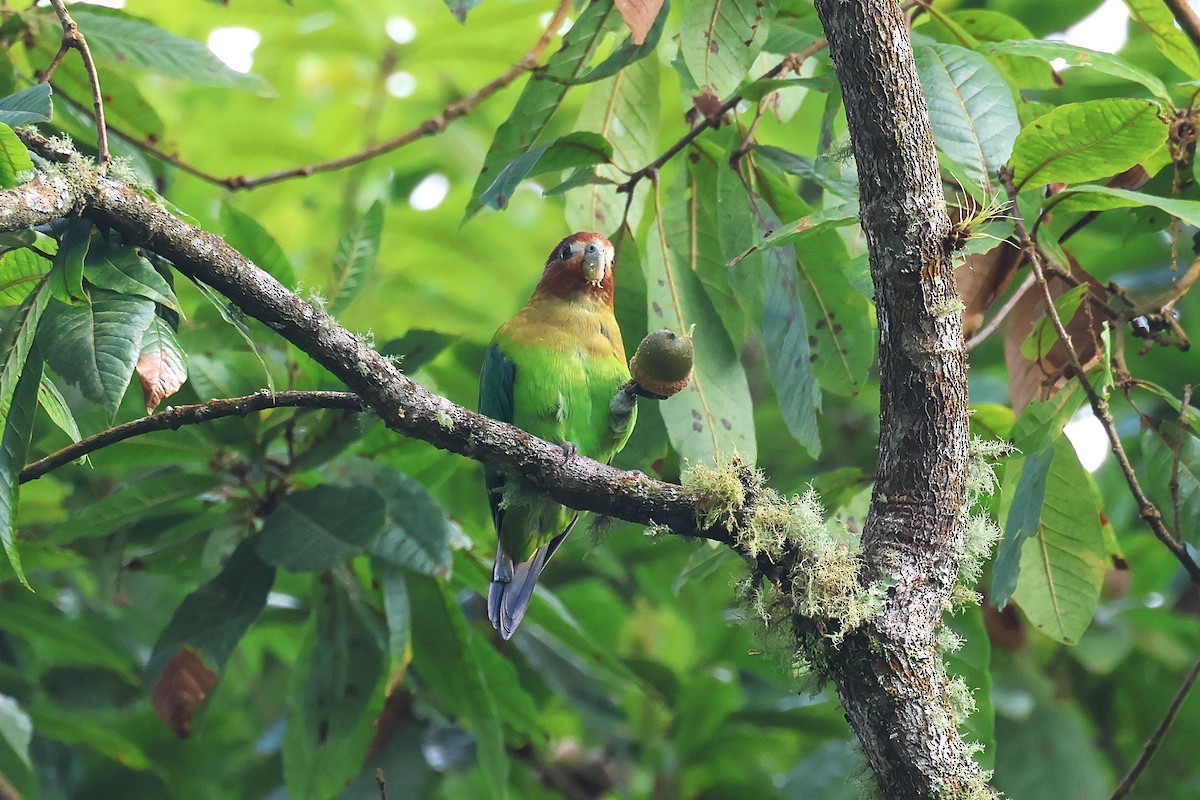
point(580, 263)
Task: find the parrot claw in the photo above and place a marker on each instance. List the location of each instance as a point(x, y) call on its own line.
point(569, 450)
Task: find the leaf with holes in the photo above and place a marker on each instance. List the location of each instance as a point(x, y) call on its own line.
point(720, 39)
point(322, 527)
point(96, 345)
point(542, 94)
point(713, 416)
point(162, 364)
point(354, 258)
point(119, 38)
point(1064, 559)
point(1080, 142)
point(971, 110)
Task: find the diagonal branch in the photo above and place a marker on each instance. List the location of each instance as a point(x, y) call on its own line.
point(73, 39)
point(1186, 16)
point(404, 405)
point(1156, 738)
point(430, 127)
point(178, 416)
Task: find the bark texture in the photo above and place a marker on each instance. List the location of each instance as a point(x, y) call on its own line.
point(892, 681)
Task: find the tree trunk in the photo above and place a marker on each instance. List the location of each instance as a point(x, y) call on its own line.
point(890, 674)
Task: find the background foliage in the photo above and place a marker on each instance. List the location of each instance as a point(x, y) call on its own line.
point(329, 573)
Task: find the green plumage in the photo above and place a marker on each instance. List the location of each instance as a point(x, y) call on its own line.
point(553, 370)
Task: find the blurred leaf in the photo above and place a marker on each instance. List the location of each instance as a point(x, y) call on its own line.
point(15, 162)
point(640, 16)
point(55, 406)
point(162, 365)
point(1077, 56)
point(818, 221)
point(972, 662)
point(251, 239)
point(712, 417)
point(542, 94)
point(398, 612)
point(824, 172)
point(16, 731)
point(573, 150)
point(96, 345)
point(1086, 141)
point(720, 39)
point(354, 258)
point(1100, 198)
point(649, 16)
point(1173, 43)
point(27, 106)
point(74, 241)
point(338, 671)
point(1173, 466)
point(231, 314)
point(322, 527)
point(82, 639)
point(417, 348)
point(203, 632)
point(117, 37)
point(443, 658)
point(14, 448)
point(970, 108)
point(460, 8)
point(1044, 335)
point(1064, 560)
point(139, 500)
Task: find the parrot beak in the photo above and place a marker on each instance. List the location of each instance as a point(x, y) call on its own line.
point(594, 266)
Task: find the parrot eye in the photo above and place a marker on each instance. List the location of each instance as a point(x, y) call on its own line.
point(591, 248)
point(565, 253)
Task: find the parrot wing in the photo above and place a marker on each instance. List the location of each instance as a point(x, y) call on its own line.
point(496, 401)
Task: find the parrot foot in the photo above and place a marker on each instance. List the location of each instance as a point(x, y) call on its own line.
point(569, 450)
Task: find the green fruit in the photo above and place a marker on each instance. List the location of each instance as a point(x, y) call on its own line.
point(662, 365)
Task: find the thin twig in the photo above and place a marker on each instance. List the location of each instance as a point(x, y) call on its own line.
point(1009, 304)
point(430, 127)
point(1187, 19)
point(73, 39)
point(174, 418)
point(379, 779)
point(1156, 739)
point(790, 63)
point(1176, 457)
point(1146, 509)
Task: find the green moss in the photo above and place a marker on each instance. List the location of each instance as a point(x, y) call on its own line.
point(718, 491)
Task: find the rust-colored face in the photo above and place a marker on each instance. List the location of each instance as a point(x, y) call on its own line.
point(580, 263)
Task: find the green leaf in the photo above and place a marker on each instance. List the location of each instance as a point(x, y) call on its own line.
point(1173, 43)
point(14, 447)
point(713, 416)
point(26, 106)
point(17, 341)
point(1099, 198)
point(444, 658)
point(233, 315)
point(628, 53)
point(817, 222)
point(416, 531)
point(984, 27)
point(55, 406)
point(214, 618)
point(322, 527)
point(333, 686)
point(74, 241)
point(1064, 560)
point(1024, 514)
point(460, 8)
point(1087, 141)
point(163, 493)
point(20, 271)
point(417, 348)
point(625, 111)
point(14, 158)
point(1077, 56)
point(824, 172)
point(16, 730)
point(972, 662)
point(1041, 423)
point(839, 319)
point(398, 611)
point(1173, 459)
point(121, 269)
point(1044, 335)
point(971, 109)
point(573, 150)
point(542, 94)
point(254, 242)
point(719, 40)
point(354, 258)
point(119, 38)
point(96, 345)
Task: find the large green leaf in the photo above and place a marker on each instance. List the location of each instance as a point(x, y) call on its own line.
point(333, 686)
point(55, 406)
point(17, 341)
point(20, 272)
point(252, 240)
point(1087, 141)
point(1024, 513)
point(14, 447)
point(1064, 560)
point(1173, 460)
point(579, 149)
point(543, 93)
point(123, 270)
point(212, 619)
point(719, 40)
point(74, 241)
point(26, 106)
point(416, 531)
point(971, 109)
point(15, 162)
point(354, 258)
point(625, 111)
point(119, 38)
point(713, 416)
point(96, 345)
point(161, 494)
point(1099, 198)
point(321, 527)
point(444, 658)
point(1156, 17)
point(1077, 56)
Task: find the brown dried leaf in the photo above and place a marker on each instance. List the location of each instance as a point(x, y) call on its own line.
point(982, 278)
point(639, 15)
point(1042, 378)
point(162, 366)
point(182, 687)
